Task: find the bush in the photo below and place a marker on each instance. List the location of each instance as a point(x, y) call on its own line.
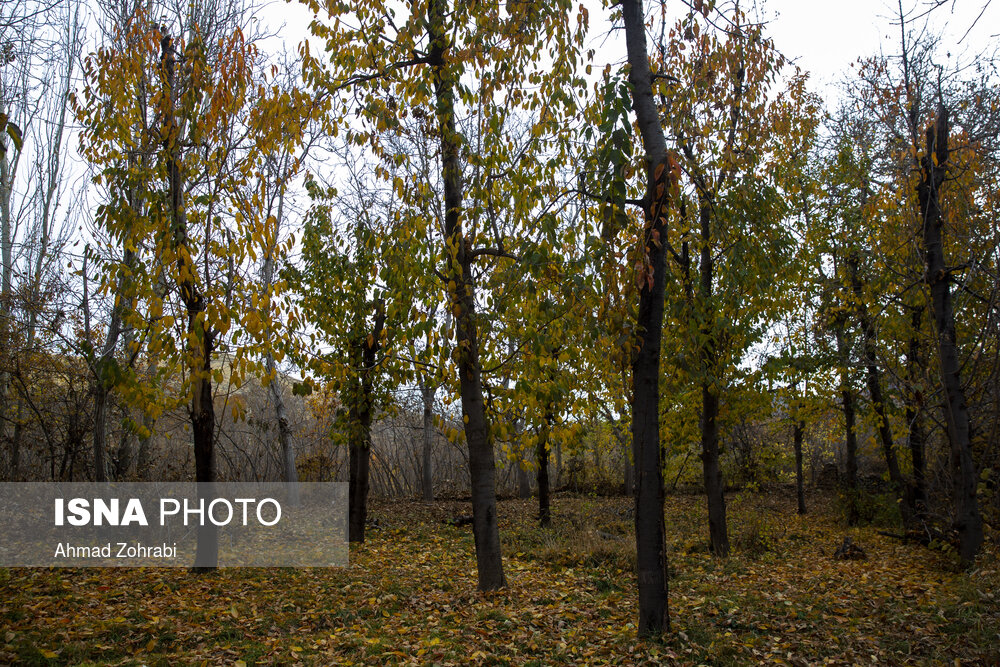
point(753, 533)
point(881, 509)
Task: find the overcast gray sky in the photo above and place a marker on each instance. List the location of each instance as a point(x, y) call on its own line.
point(823, 36)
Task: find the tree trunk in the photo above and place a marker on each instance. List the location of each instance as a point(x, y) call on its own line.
point(285, 437)
point(714, 487)
point(934, 166)
point(360, 467)
point(427, 393)
point(651, 559)
point(203, 427)
point(542, 454)
point(798, 431)
point(6, 260)
point(364, 355)
point(523, 478)
point(873, 379)
point(199, 336)
point(7, 172)
point(916, 437)
point(461, 283)
point(847, 404)
point(103, 382)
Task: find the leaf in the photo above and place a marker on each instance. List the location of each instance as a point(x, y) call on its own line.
point(15, 135)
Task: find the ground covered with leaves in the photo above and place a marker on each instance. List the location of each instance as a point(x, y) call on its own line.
point(409, 597)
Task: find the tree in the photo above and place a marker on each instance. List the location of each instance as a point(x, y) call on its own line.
point(349, 294)
point(661, 176)
point(737, 139)
point(423, 62)
point(40, 45)
point(201, 159)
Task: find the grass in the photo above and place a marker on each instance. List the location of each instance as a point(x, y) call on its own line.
point(409, 597)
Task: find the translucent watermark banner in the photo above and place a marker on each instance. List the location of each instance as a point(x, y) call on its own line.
point(138, 524)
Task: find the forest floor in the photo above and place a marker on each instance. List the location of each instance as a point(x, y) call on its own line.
point(409, 597)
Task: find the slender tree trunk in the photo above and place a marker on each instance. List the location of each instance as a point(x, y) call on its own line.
point(850, 436)
point(458, 258)
point(6, 270)
point(651, 558)
point(427, 393)
point(523, 478)
point(873, 379)
point(798, 430)
point(285, 436)
point(364, 353)
point(714, 487)
point(934, 167)
point(200, 338)
point(104, 382)
point(542, 454)
point(7, 170)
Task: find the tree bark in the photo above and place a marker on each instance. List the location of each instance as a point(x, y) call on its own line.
point(651, 559)
point(199, 336)
point(427, 393)
point(360, 467)
point(934, 165)
point(542, 454)
point(712, 470)
point(847, 405)
point(873, 379)
point(461, 287)
point(364, 356)
point(850, 435)
point(916, 437)
point(285, 436)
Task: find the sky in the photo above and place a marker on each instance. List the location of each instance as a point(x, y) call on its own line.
point(826, 37)
point(822, 36)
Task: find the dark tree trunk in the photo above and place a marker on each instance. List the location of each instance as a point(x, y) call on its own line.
point(714, 487)
point(200, 337)
point(542, 453)
point(206, 472)
point(873, 379)
point(916, 437)
point(651, 559)
point(850, 435)
point(360, 466)
point(847, 404)
point(427, 393)
point(798, 431)
point(934, 167)
point(458, 269)
point(364, 356)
